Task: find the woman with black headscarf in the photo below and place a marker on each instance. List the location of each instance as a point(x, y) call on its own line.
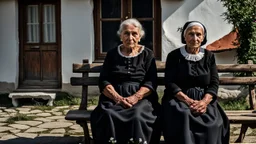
point(190, 111)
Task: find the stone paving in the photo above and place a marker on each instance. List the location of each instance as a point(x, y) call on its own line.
point(50, 127)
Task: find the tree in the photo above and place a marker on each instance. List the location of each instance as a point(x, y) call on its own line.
point(242, 14)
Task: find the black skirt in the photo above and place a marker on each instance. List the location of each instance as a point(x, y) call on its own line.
point(113, 122)
point(180, 126)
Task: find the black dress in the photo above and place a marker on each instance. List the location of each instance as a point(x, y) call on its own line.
point(194, 78)
point(127, 75)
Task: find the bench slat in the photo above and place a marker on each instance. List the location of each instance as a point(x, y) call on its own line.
point(239, 111)
point(237, 80)
point(95, 67)
point(83, 115)
point(75, 81)
point(244, 117)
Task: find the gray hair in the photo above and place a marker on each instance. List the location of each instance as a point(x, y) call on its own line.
point(133, 22)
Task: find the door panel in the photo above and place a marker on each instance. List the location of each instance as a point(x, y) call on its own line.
point(49, 66)
point(32, 66)
point(39, 44)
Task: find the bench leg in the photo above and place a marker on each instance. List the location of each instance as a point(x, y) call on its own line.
point(87, 138)
point(242, 133)
point(15, 102)
point(50, 102)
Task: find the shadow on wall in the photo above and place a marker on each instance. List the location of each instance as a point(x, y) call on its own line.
point(174, 8)
point(6, 87)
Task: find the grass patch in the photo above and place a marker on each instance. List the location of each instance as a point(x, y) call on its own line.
point(19, 117)
point(236, 104)
point(93, 100)
point(42, 107)
point(253, 132)
point(44, 132)
point(68, 133)
point(62, 110)
point(63, 98)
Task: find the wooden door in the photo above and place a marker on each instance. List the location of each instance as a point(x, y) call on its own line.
point(108, 14)
point(40, 61)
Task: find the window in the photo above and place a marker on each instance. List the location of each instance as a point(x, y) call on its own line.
point(108, 14)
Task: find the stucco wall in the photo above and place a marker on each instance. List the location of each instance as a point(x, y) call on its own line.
point(176, 13)
point(227, 57)
point(9, 44)
point(77, 34)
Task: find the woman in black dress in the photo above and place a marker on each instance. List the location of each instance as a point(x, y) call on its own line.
point(191, 113)
point(128, 104)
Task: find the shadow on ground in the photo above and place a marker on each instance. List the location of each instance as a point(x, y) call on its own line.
point(47, 140)
point(44, 140)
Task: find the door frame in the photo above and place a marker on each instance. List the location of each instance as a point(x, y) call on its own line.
point(21, 31)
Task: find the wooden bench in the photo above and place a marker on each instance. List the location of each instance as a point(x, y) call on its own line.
point(246, 118)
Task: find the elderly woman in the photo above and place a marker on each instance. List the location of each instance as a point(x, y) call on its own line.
point(191, 114)
point(128, 104)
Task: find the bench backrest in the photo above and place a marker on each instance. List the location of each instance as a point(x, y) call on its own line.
point(85, 69)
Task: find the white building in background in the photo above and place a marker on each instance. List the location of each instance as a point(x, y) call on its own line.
point(41, 39)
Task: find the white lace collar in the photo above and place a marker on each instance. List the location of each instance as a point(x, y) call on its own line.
point(120, 53)
point(192, 57)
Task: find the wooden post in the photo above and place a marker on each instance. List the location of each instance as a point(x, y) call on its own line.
point(251, 91)
point(83, 104)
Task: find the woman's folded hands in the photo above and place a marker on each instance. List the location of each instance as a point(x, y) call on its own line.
point(200, 106)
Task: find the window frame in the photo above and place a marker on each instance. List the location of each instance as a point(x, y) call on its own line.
point(126, 9)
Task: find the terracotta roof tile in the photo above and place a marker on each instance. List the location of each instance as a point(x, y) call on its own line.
point(223, 44)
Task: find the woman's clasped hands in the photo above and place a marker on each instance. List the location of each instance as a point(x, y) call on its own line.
point(128, 102)
point(198, 107)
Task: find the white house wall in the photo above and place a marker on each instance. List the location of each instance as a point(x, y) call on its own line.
point(77, 32)
point(9, 44)
point(227, 57)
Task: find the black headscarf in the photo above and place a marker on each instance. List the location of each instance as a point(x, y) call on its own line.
point(186, 25)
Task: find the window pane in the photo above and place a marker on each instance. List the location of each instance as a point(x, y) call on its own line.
point(148, 39)
point(109, 35)
point(33, 24)
point(111, 8)
point(142, 8)
point(49, 24)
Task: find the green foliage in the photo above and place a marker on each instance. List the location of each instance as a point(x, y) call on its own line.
point(19, 117)
point(236, 104)
point(242, 14)
point(63, 99)
point(42, 107)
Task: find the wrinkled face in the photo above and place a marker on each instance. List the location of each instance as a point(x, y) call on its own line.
point(130, 36)
point(194, 36)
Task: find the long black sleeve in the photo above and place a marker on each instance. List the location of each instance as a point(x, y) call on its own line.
point(171, 73)
point(150, 79)
point(104, 74)
point(214, 78)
